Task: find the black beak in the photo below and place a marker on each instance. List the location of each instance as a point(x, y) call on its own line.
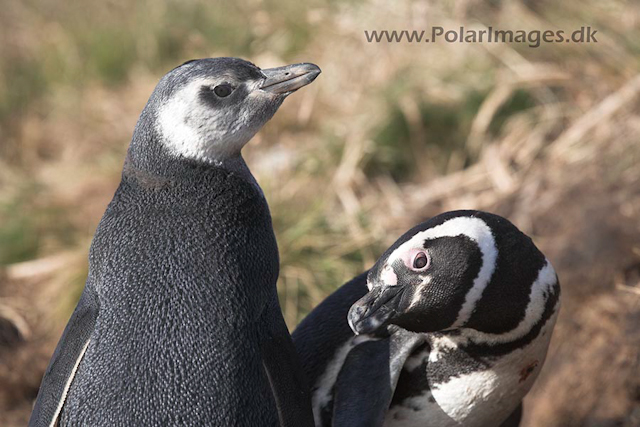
point(374, 310)
point(289, 78)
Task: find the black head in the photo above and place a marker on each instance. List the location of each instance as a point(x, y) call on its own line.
point(206, 110)
point(439, 274)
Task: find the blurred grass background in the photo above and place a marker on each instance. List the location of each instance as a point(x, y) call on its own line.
point(389, 135)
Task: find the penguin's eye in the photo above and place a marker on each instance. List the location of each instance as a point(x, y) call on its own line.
point(223, 90)
point(420, 261)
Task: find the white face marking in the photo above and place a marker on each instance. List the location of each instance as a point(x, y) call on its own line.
point(194, 130)
point(417, 295)
point(389, 277)
point(475, 229)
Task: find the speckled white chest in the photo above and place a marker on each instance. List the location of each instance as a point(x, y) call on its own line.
point(478, 399)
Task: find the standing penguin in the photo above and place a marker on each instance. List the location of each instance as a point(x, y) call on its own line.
point(450, 327)
point(179, 321)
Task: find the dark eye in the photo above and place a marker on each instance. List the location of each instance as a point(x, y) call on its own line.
point(223, 90)
point(420, 261)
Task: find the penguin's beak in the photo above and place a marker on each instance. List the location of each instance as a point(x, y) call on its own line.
point(374, 310)
point(287, 79)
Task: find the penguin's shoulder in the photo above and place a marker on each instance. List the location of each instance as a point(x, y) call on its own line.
point(316, 345)
point(200, 203)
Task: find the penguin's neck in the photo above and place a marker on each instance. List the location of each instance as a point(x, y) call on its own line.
point(238, 166)
point(541, 310)
point(160, 169)
point(511, 355)
point(541, 304)
point(470, 384)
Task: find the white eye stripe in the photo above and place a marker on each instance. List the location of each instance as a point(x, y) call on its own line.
point(475, 229)
point(417, 295)
point(208, 135)
point(538, 296)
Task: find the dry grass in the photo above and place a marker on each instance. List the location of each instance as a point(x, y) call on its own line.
point(390, 134)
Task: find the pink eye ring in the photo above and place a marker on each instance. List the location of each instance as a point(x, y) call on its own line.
point(420, 261)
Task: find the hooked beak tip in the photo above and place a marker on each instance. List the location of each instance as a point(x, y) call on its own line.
point(374, 310)
point(288, 79)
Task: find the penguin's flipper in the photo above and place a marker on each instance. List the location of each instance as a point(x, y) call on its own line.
point(65, 361)
point(283, 369)
point(514, 419)
point(368, 379)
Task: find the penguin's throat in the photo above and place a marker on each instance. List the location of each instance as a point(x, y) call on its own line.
point(165, 174)
point(469, 389)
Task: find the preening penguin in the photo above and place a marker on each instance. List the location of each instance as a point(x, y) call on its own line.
point(450, 327)
point(179, 321)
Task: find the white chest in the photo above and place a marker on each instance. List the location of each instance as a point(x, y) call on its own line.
point(480, 398)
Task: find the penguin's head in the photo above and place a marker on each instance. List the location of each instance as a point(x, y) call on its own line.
point(459, 269)
point(208, 109)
